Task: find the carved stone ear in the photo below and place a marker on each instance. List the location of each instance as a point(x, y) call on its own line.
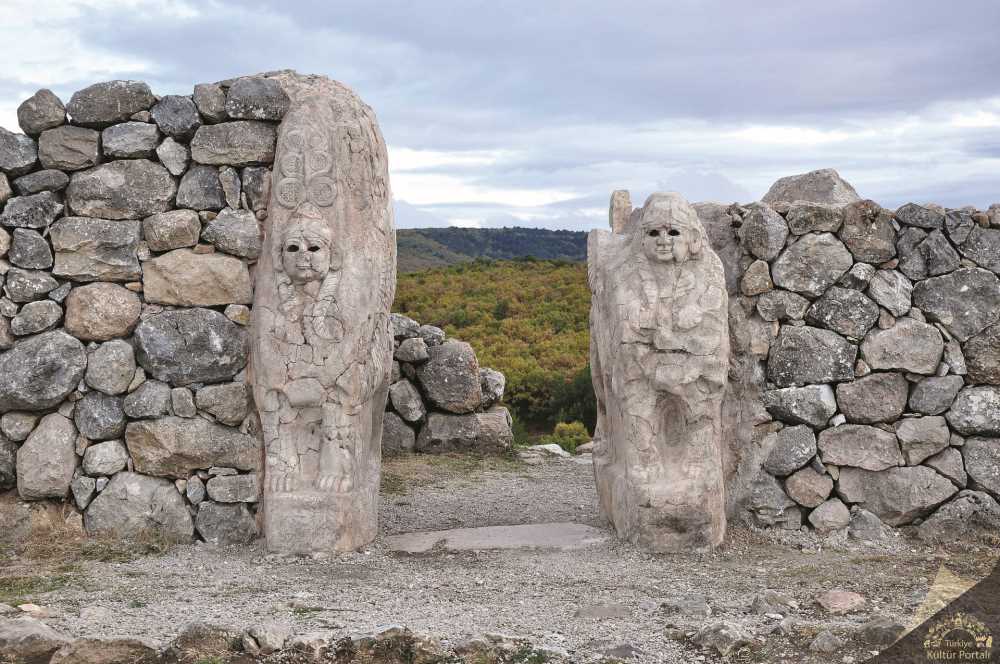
point(695, 242)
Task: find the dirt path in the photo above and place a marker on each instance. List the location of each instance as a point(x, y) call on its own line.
point(611, 599)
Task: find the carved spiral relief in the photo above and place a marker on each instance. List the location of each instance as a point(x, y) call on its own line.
point(306, 170)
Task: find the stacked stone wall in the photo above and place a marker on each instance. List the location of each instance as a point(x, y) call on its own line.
point(130, 232)
point(865, 381)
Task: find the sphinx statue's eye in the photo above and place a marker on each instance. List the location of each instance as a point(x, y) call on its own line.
point(292, 248)
point(313, 248)
point(653, 233)
point(673, 231)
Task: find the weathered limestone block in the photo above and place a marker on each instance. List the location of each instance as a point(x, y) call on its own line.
point(101, 311)
point(912, 214)
point(450, 377)
point(659, 356)
point(804, 355)
point(99, 416)
point(812, 264)
point(42, 110)
point(34, 211)
point(191, 346)
point(324, 283)
point(41, 371)
point(487, 432)
point(982, 356)
point(406, 401)
point(256, 98)
point(897, 495)
point(18, 153)
point(171, 230)
point(123, 189)
point(880, 397)
point(177, 446)
point(397, 436)
point(228, 402)
point(111, 367)
point(859, 446)
point(868, 232)
point(104, 104)
point(176, 116)
point(183, 277)
point(976, 411)
point(845, 311)
point(814, 218)
point(813, 404)
point(793, 448)
point(982, 461)
point(763, 232)
point(39, 181)
point(96, 249)
point(133, 504)
point(908, 345)
point(234, 488)
point(922, 437)
point(224, 524)
point(46, 461)
point(808, 488)
point(69, 148)
point(25, 639)
point(965, 301)
point(824, 186)
point(234, 232)
point(129, 140)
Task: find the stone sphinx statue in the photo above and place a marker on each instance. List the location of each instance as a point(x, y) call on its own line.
point(659, 355)
point(322, 345)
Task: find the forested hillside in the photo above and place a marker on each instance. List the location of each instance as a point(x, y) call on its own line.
point(526, 318)
point(423, 248)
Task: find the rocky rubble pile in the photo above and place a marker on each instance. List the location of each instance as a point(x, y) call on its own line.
point(130, 226)
point(440, 400)
point(873, 337)
point(31, 641)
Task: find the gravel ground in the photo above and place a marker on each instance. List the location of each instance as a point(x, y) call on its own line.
point(606, 599)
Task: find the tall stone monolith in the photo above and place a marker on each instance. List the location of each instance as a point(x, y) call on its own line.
point(659, 356)
point(322, 350)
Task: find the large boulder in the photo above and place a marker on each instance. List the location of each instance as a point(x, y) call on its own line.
point(405, 399)
point(938, 255)
point(183, 277)
point(69, 148)
point(41, 371)
point(28, 285)
point(47, 459)
point(769, 505)
point(176, 116)
point(132, 505)
point(793, 448)
point(897, 495)
point(39, 181)
point(29, 250)
point(18, 153)
point(123, 189)
point(171, 230)
point(99, 416)
point(781, 305)
point(909, 345)
point(475, 432)
point(174, 156)
point(868, 232)
point(235, 232)
point(130, 140)
point(105, 458)
point(880, 397)
point(922, 437)
point(104, 104)
point(809, 488)
point(805, 355)
point(177, 446)
point(813, 404)
point(27, 640)
point(934, 395)
point(892, 290)
point(918, 216)
point(450, 378)
point(983, 247)
point(964, 301)
point(42, 110)
point(101, 311)
point(763, 232)
point(812, 264)
point(976, 411)
point(823, 186)
point(982, 356)
point(845, 311)
point(151, 399)
point(201, 189)
point(255, 98)
point(397, 436)
point(228, 402)
point(949, 463)
point(806, 217)
point(240, 143)
point(968, 512)
point(191, 346)
point(982, 462)
point(34, 211)
point(96, 249)
point(859, 446)
point(225, 524)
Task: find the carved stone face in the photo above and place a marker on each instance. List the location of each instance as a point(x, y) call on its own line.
point(305, 256)
point(670, 230)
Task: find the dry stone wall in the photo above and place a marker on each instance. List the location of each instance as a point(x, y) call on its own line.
point(440, 400)
point(131, 228)
point(130, 232)
point(865, 380)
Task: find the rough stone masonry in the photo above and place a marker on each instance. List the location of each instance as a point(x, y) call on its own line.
point(131, 239)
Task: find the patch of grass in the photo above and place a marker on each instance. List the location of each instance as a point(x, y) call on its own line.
point(402, 473)
point(136, 604)
point(20, 589)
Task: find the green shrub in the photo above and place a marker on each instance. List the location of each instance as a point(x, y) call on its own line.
point(568, 435)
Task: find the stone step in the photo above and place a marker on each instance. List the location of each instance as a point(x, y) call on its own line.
point(560, 536)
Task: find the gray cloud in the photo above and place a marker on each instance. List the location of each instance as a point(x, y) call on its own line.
point(580, 98)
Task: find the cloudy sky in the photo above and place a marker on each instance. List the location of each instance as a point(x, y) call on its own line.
point(531, 112)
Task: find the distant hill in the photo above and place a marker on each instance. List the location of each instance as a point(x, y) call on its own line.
point(425, 248)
